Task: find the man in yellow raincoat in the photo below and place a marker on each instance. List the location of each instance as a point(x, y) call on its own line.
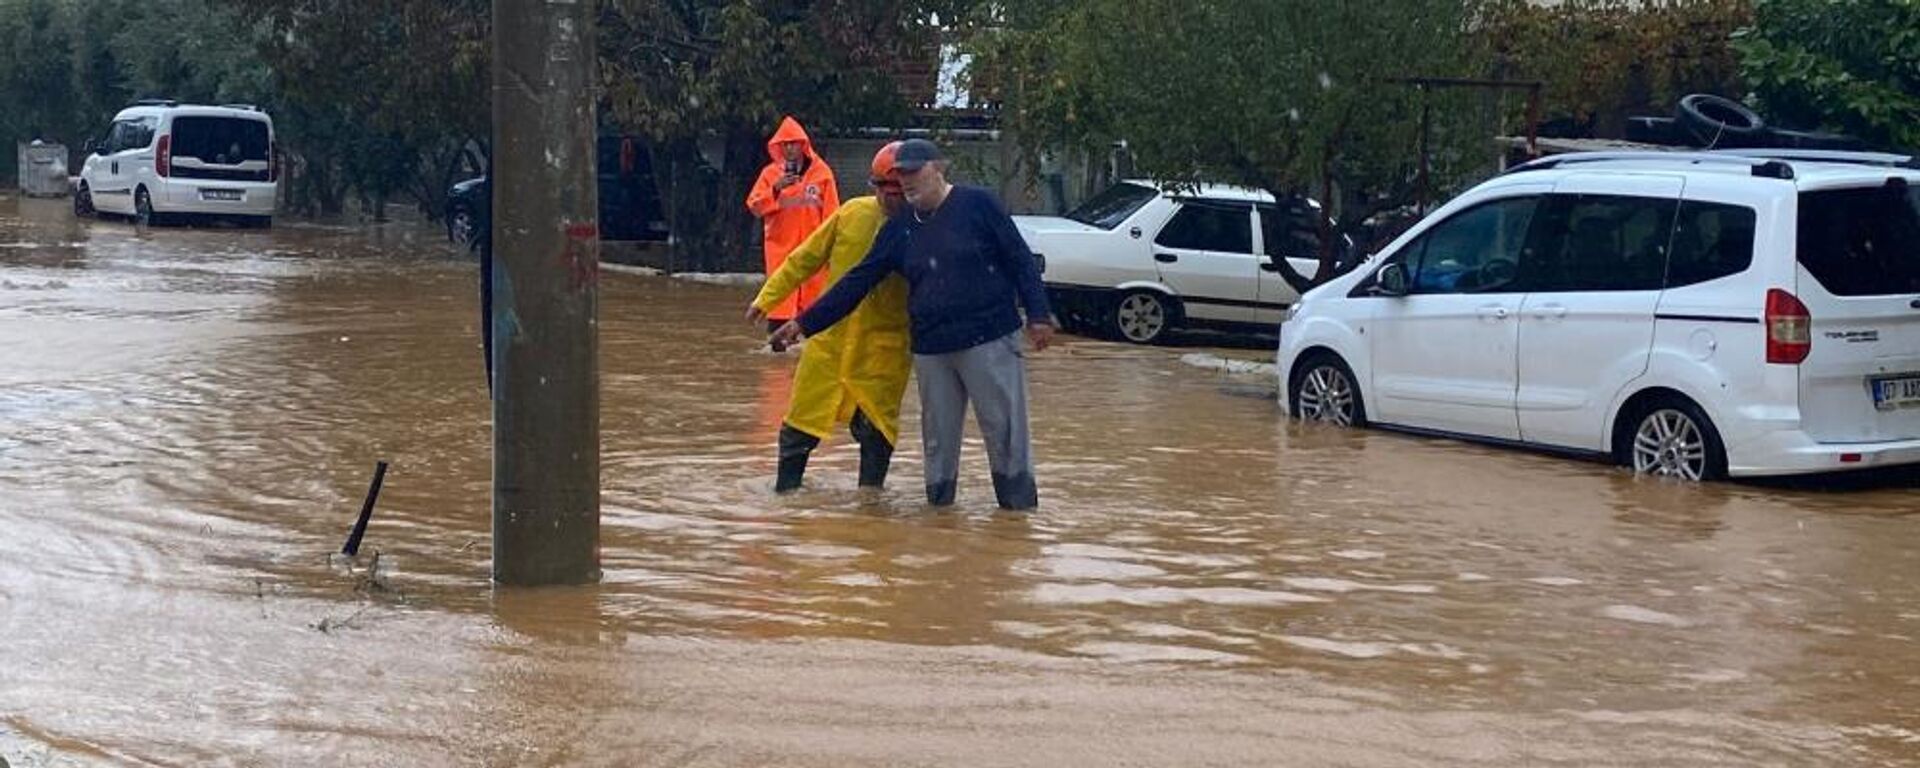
point(856, 372)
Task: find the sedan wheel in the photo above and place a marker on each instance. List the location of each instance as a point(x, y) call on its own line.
point(1669, 443)
point(1141, 317)
point(1326, 394)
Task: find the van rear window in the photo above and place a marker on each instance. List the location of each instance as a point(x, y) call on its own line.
point(1863, 241)
point(220, 140)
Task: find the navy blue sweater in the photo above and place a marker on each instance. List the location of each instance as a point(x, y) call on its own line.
point(967, 268)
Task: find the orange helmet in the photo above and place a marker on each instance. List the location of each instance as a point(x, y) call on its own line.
point(883, 163)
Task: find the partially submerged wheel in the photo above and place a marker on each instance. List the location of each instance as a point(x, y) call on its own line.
point(143, 206)
point(1673, 438)
point(1324, 391)
point(463, 229)
point(83, 201)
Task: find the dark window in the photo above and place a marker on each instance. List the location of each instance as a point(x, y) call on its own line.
point(1207, 226)
point(1293, 232)
point(220, 140)
point(1710, 241)
point(1599, 243)
point(142, 132)
point(120, 136)
point(1112, 207)
point(1862, 242)
point(1475, 251)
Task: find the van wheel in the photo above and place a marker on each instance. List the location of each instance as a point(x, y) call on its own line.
point(1323, 390)
point(1143, 317)
point(143, 206)
point(463, 229)
point(83, 201)
point(1672, 437)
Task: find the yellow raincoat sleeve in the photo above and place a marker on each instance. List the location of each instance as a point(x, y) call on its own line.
point(801, 264)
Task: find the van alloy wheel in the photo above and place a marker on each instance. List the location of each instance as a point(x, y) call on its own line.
point(1668, 443)
point(462, 229)
point(1326, 395)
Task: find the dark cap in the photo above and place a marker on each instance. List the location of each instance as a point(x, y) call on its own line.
point(914, 154)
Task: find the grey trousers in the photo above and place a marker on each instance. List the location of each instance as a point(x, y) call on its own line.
point(993, 377)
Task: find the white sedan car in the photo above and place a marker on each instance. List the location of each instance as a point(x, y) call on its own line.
point(1137, 261)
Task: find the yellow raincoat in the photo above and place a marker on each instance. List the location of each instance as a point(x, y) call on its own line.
point(861, 361)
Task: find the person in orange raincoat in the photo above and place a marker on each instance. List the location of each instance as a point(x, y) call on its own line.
point(795, 193)
point(854, 373)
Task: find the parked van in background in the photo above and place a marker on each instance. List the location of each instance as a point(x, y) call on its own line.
point(160, 160)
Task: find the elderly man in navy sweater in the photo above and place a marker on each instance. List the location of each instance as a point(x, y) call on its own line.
point(968, 276)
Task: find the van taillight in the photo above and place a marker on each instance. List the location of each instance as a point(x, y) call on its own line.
point(273, 162)
point(163, 156)
point(1789, 329)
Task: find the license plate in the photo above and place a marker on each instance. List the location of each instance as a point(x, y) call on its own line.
point(1895, 394)
point(221, 194)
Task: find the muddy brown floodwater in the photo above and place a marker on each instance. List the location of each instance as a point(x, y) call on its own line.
point(188, 420)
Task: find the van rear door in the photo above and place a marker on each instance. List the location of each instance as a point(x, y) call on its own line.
point(1859, 254)
point(221, 148)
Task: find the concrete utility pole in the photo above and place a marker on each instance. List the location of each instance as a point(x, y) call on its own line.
point(546, 399)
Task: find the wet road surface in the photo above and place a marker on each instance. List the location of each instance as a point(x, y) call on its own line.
point(189, 418)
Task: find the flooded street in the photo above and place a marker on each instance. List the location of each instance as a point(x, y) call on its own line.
point(189, 419)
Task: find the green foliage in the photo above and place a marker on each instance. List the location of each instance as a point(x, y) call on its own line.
point(1846, 65)
point(683, 73)
point(35, 48)
point(376, 96)
point(1606, 60)
point(369, 97)
point(1291, 96)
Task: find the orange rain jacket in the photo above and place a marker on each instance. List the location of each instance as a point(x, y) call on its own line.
point(791, 214)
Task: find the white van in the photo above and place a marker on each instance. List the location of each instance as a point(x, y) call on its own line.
point(159, 159)
point(1695, 315)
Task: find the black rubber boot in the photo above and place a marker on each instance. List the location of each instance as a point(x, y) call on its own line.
point(876, 454)
point(795, 448)
point(1016, 492)
point(941, 494)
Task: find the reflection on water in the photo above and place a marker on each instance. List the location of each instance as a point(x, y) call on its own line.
point(188, 418)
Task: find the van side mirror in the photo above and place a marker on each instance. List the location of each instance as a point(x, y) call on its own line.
point(90, 146)
point(1391, 280)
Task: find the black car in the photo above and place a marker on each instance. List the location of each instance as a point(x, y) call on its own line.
point(630, 207)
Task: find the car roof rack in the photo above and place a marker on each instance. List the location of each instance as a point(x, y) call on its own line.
point(1888, 159)
point(247, 107)
point(156, 103)
point(1765, 167)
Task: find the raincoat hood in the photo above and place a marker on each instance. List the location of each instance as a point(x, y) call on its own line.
point(790, 130)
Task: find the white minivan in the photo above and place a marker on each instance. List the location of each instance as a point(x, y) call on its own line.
point(1696, 315)
point(159, 159)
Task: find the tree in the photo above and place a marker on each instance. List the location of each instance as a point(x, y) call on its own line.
point(1606, 60)
point(377, 96)
point(1851, 66)
point(35, 48)
point(1289, 96)
point(721, 73)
